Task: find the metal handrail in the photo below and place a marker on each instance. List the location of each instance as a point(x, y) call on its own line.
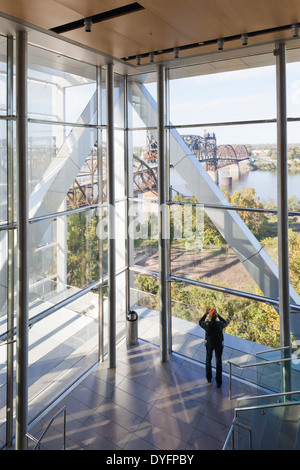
point(256, 407)
point(276, 361)
point(269, 405)
point(38, 441)
point(231, 433)
point(274, 349)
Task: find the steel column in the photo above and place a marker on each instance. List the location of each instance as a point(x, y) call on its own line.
point(100, 201)
point(111, 217)
point(282, 191)
point(168, 210)
point(22, 231)
point(163, 208)
point(127, 185)
point(10, 250)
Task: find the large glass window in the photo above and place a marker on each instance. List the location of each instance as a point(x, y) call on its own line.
point(222, 147)
point(66, 168)
point(3, 172)
point(235, 90)
point(293, 132)
point(215, 162)
point(6, 233)
point(221, 142)
point(60, 88)
point(143, 208)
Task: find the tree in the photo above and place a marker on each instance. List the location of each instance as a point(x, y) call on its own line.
point(255, 221)
point(248, 319)
point(294, 152)
point(294, 259)
point(82, 249)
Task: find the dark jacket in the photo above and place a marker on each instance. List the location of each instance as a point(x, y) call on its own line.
point(213, 329)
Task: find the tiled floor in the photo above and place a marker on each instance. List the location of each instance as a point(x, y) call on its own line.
point(144, 404)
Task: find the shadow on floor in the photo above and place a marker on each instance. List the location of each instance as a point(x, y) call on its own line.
point(144, 404)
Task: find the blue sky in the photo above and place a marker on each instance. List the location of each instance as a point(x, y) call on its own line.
point(240, 95)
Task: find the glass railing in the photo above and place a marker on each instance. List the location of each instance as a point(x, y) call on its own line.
point(145, 294)
point(271, 374)
point(271, 369)
point(271, 420)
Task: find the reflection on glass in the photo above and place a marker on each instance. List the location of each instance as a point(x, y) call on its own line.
point(259, 410)
point(119, 164)
point(55, 154)
point(84, 189)
point(142, 100)
point(271, 374)
point(3, 278)
point(3, 172)
point(144, 300)
point(3, 72)
point(293, 83)
point(143, 232)
point(102, 234)
point(60, 89)
point(61, 348)
point(121, 227)
point(143, 163)
point(63, 256)
point(119, 91)
point(42, 259)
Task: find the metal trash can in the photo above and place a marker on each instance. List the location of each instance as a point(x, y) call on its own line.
point(132, 327)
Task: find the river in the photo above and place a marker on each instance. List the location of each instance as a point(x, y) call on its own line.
point(264, 183)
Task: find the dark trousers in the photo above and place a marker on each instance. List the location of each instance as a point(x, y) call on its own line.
point(218, 355)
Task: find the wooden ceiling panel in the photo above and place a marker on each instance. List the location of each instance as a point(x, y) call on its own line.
point(203, 20)
point(92, 7)
point(148, 31)
point(163, 24)
point(105, 40)
point(133, 34)
point(43, 13)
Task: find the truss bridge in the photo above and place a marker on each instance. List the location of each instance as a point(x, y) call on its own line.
point(145, 177)
point(84, 190)
point(213, 156)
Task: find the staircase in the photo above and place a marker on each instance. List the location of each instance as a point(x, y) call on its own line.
point(273, 428)
point(270, 421)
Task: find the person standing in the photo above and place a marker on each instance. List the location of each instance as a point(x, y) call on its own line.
point(213, 327)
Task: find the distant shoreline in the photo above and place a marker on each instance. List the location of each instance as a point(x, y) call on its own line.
point(272, 166)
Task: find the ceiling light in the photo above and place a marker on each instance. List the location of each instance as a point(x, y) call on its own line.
point(220, 43)
point(138, 60)
point(295, 30)
point(88, 25)
point(244, 39)
point(104, 16)
point(151, 55)
point(176, 52)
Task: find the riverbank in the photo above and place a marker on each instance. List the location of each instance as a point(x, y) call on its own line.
point(293, 165)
